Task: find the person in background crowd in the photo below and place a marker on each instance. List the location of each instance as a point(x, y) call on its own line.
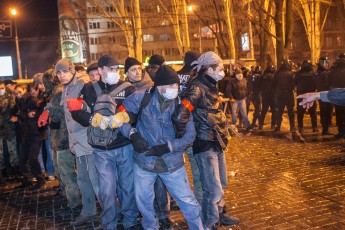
point(337, 80)
point(321, 80)
point(80, 69)
point(201, 99)
point(136, 75)
point(254, 93)
point(87, 175)
point(32, 136)
point(10, 85)
point(237, 92)
point(158, 153)
point(7, 133)
point(114, 162)
point(92, 71)
point(267, 92)
point(49, 165)
point(64, 161)
point(284, 86)
point(304, 82)
point(155, 62)
point(186, 75)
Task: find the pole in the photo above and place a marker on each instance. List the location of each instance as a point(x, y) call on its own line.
point(250, 34)
point(19, 63)
point(200, 48)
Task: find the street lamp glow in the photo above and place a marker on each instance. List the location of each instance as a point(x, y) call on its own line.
point(190, 8)
point(13, 11)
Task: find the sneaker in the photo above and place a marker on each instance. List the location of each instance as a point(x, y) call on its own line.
point(315, 130)
point(83, 219)
point(166, 224)
point(325, 133)
point(226, 220)
point(34, 179)
point(51, 178)
point(277, 129)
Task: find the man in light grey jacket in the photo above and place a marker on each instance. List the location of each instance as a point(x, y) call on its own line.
point(87, 176)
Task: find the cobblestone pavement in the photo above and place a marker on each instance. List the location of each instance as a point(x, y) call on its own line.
point(275, 182)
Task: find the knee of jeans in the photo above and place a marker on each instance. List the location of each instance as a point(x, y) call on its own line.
point(213, 196)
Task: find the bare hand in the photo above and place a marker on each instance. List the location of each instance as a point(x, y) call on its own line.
point(308, 99)
point(32, 114)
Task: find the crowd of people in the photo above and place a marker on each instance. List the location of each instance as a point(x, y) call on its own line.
point(120, 142)
point(276, 89)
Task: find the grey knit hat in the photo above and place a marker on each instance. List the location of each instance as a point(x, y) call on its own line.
point(38, 78)
point(206, 59)
point(65, 64)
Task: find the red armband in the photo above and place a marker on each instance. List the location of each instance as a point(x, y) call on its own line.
point(220, 99)
point(122, 108)
point(188, 105)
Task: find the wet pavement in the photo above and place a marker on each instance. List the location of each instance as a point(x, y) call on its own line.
point(275, 182)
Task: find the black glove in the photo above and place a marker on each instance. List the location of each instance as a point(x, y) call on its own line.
point(139, 143)
point(158, 150)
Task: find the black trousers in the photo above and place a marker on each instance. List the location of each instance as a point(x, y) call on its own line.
point(300, 115)
point(256, 100)
point(268, 102)
point(29, 157)
point(285, 99)
point(340, 117)
point(326, 110)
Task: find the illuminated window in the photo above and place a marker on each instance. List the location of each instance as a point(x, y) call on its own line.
point(148, 38)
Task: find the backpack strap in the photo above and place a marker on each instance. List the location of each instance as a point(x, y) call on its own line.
point(146, 99)
point(120, 88)
point(97, 88)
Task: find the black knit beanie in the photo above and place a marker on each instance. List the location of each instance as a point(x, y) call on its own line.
point(129, 62)
point(156, 59)
point(166, 76)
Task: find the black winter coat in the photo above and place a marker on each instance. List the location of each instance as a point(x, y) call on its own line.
point(283, 81)
point(304, 82)
point(237, 89)
point(337, 74)
point(209, 119)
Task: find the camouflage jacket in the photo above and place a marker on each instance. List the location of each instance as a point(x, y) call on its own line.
point(57, 123)
point(7, 103)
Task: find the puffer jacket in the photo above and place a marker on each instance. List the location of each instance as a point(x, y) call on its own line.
point(209, 118)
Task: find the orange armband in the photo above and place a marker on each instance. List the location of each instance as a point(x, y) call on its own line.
point(122, 108)
point(188, 105)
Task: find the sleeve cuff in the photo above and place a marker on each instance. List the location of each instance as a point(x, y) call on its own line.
point(323, 96)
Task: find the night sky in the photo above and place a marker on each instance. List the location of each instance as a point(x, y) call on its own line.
point(38, 32)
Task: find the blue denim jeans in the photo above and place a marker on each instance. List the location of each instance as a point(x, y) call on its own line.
point(197, 187)
point(178, 186)
point(68, 176)
point(162, 200)
point(49, 161)
point(115, 169)
point(213, 179)
point(241, 105)
point(87, 178)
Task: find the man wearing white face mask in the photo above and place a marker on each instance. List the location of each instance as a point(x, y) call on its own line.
point(157, 151)
point(114, 162)
point(201, 99)
point(237, 92)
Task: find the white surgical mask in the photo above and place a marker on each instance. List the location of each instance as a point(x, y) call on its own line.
point(2, 92)
point(220, 75)
point(170, 93)
point(112, 78)
point(239, 76)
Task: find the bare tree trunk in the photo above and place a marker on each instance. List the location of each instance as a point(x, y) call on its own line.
point(289, 27)
point(228, 10)
point(137, 38)
point(279, 30)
